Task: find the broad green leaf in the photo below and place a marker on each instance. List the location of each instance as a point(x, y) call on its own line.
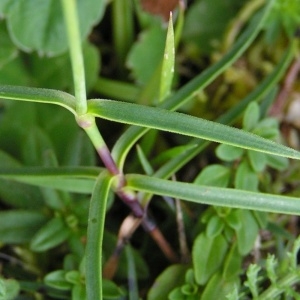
point(228, 152)
point(18, 226)
point(247, 233)
point(232, 265)
point(214, 175)
point(95, 236)
point(111, 291)
point(251, 116)
point(50, 235)
point(9, 289)
point(215, 196)
point(7, 51)
point(267, 128)
point(38, 95)
point(246, 178)
point(14, 72)
point(72, 179)
point(257, 160)
point(78, 292)
point(47, 71)
point(206, 22)
point(233, 220)
point(208, 254)
point(157, 118)
point(277, 162)
point(218, 287)
point(167, 69)
point(146, 54)
point(57, 279)
point(170, 278)
point(25, 16)
point(214, 226)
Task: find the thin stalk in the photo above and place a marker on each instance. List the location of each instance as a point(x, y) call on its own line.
point(95, 136)
point(74, 40)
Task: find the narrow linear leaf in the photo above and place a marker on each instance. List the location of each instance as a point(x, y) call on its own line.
point(229, 117)
point(38, 95)
point(215, 196)
point(157, 118)
point(17, 226)
point(186, 93)
point(95, 236)
point(167, 70)
point(72, 179)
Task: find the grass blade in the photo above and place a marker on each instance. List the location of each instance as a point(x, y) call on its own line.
point(129, 138)
point(71, 179)
point(230, 116)
point(215, 196)
point(157, 118)
point(38, 95)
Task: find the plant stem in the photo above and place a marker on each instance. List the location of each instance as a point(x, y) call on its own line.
point(74, 39)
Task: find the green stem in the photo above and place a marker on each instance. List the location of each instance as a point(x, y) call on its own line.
point(74, 39)
point(95, 236)
point(91, 129)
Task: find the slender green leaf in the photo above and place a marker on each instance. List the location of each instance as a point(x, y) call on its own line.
point(215, 196)
point(38, 95)
point(157, 118)
point(18, 226)
point(229, 117)
point(72, 179)
point(95, 231)
point(167, 70)
point(187, 92)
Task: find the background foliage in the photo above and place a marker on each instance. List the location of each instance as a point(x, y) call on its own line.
point(235, 61)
